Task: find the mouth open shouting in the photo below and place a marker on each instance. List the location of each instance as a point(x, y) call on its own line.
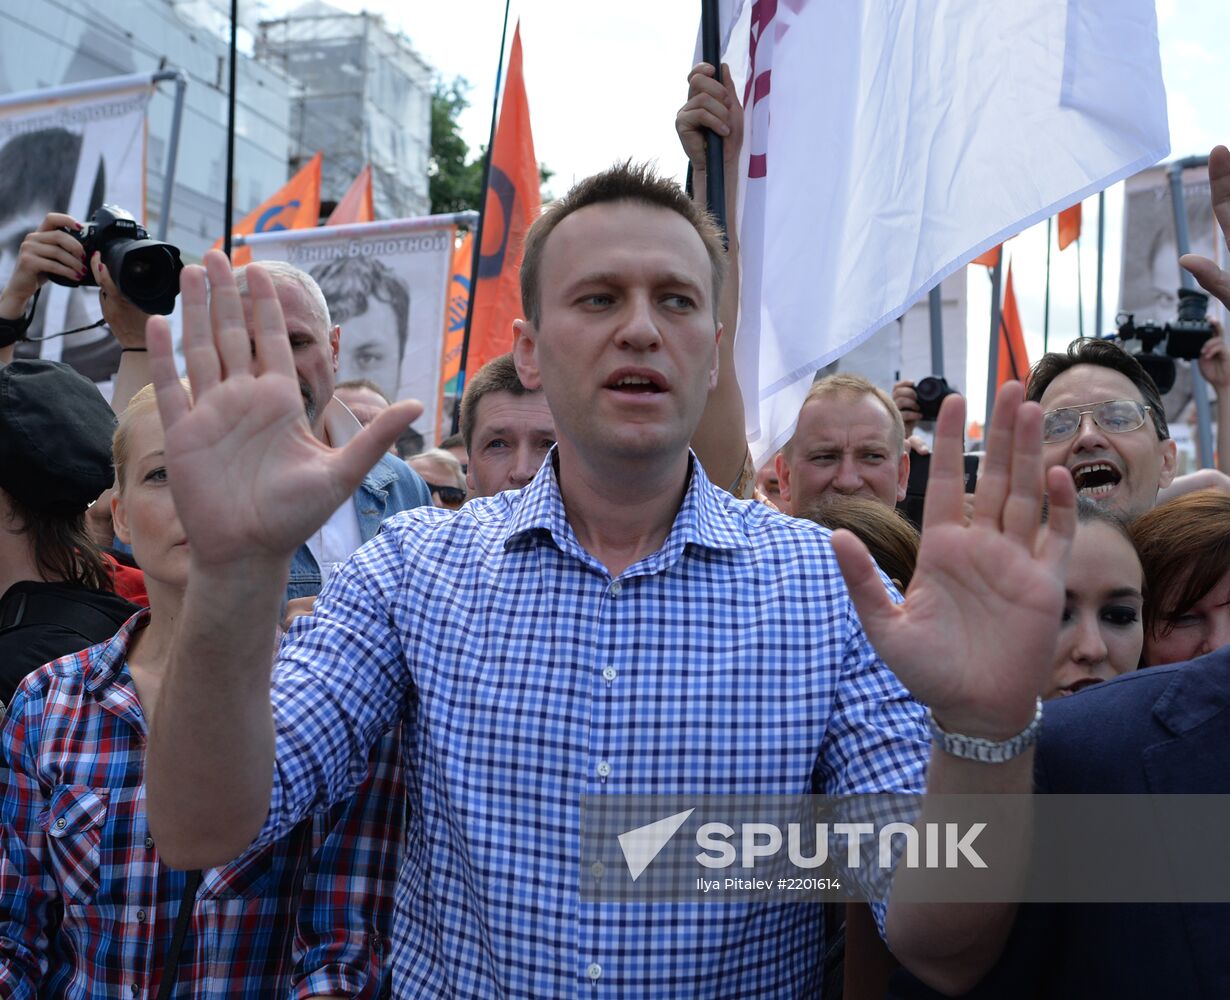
point(1096, 480)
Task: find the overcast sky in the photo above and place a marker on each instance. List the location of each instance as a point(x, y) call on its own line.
point(604, 81)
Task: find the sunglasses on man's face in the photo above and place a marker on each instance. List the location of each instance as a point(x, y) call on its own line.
point(1115, 416)
point(451, 497)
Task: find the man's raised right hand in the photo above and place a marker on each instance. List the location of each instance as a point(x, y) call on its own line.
point(250, 481)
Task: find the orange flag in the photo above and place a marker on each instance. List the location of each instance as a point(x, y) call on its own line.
point(1069, 225)
point(1013, 361)
point(456, 307)
point(295, 206)
point(356, 203)
point(512, 204)
point(990, 258)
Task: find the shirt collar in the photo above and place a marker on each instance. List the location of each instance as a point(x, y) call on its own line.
point(107, 663)
point(704, 518)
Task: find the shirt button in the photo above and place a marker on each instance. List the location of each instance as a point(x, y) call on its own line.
point(61, 823)
point(140, 916)
point(149, 843)
point(597, 869)
point(609, 674)
point(594, 972)
point(135, 990)
point(616, 587)
point(604, 769)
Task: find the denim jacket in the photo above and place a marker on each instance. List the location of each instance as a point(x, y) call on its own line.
point(391, 487)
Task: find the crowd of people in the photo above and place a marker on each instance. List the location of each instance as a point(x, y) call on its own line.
point(291, 711)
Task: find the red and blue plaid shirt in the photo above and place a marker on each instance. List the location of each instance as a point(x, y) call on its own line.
point(88, 910)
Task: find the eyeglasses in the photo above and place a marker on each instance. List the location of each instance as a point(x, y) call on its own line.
point(451, 497)
point(1115, 416)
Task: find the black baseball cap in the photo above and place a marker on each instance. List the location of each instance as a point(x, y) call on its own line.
point(55, 437)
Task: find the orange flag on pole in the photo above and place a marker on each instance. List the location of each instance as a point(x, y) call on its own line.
point(989, 258)
point(512, 204)
point(457, 304)
point(356, 203)
point(295, 206)
point(1013, 360)
point(1069, 225)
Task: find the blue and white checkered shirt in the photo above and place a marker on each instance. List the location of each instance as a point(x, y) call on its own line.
point(729, 661)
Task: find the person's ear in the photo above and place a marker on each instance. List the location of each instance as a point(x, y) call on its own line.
point(717, 355)
point(783, 478)
point(1170, 463)
point(119, 518)
point(525, 353)
point(903, 475)
point(335, 345)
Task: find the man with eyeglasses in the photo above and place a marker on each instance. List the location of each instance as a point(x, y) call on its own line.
point(1104, 421)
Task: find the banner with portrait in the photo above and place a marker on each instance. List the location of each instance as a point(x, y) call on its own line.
point(385, 285)
point(71, 149)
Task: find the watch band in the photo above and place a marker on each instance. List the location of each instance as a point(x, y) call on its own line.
point(986, 751)
point(13, 330)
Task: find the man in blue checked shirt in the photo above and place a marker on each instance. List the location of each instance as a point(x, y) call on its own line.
point(619, 626)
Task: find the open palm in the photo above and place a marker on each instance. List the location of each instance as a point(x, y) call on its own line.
point(975, 637)
point(250, 480)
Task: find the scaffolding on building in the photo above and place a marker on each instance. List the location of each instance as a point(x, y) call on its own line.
point(363, 95)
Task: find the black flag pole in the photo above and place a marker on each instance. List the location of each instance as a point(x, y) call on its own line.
point(1046, 301)
point(230, 134)
point(477, 255)
point(711, 52)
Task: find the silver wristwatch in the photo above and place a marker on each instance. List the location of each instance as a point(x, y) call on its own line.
point(986, 751)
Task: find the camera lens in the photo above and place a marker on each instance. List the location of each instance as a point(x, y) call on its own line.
point(1193, 305)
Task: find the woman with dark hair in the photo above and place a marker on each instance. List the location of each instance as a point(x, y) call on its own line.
point(1101, 634)
point(1184, 545)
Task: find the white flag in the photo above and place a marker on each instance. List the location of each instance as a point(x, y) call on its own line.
point(891, 141)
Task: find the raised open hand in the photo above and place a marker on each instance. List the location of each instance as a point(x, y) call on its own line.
point(251, 483)
point(975, 637)
point(1213, 279)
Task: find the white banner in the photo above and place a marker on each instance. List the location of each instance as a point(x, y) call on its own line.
point(70, 149)
point(891, 141)
point(385, 284)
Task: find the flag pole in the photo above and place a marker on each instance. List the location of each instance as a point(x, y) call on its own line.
point(1080, 293)
point(230, 134)
point(993, 350)
point(1046, 300)
point(1097, 312)
point(478, 233)
point(715, 178)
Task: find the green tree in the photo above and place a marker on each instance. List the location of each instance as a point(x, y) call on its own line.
point(454, 181)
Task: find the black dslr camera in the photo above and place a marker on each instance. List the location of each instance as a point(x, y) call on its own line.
point(145, 270)
point(931, 392)
point(1181, 339)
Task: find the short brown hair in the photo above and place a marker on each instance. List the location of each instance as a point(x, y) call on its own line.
point(1104, 354)
point(626, 181)
point(1184, 547)
point(847, 383)
point(891, 539)
point(497, 375)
